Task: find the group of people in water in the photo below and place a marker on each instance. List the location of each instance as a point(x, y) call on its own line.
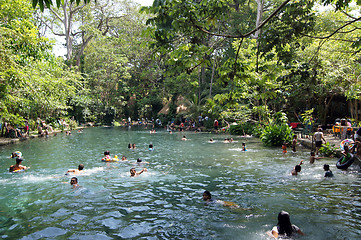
point(284, 227)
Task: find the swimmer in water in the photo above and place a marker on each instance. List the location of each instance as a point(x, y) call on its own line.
point(313, 157)
point(76, 171)
point(134, 173)
point(328, 172)
point(133, 146)
point(129, 146)
point(284, 147)
point(107, 156)
point(74, 182)
point(211, 140)
point(18, 166)
point(150, 147)
point(207, 197)
point(284, 227)
point(297, 169)
point(124, 158)
point(184, 138)
point(244, 147)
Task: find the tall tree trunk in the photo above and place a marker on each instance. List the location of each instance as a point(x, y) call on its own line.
point(212, 76)
point(327, 106)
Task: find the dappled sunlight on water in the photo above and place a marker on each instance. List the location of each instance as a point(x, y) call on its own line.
point(166, 202)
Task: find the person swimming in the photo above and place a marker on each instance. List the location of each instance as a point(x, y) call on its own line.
point(328, 172)
point(150, 147)
point(297, 169)
point(244, 147)
point(134, 173)
point(207, 197)
point(76, 171)
point(284, 227)
point(184, 138)
point(74, 182)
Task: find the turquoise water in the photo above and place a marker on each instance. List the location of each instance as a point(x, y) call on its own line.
point(166, 202)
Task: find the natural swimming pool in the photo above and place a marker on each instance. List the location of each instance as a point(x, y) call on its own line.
point(166, 202)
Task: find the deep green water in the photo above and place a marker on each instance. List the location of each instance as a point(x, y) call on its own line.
point(166, 202)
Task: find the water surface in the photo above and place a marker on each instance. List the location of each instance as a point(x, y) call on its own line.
point(166, 202)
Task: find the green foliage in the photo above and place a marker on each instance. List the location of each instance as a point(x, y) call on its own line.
point(328, 149)
point(276, 135)
point(243, 128)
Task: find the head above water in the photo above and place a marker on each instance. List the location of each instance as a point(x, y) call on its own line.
point(284, 223)
point(139, 160)
point(81, 167)
point(298, 168)
point(106, 153)
point(326, 167)
point(73, 180)
point(132, 172)
point(207, 195)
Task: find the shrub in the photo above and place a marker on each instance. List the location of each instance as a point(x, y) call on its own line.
point(242, 129)
point(276, 135)
point(327, 149)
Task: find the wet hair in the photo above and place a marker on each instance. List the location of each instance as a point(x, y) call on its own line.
point(298, 168)
point(129, 145)
point(139, 160)
point(284, 225)
point(208, 194)
point(326, 167)
point(243, 144)
point(132, 170)
point(81, 167)
point(312, 153)
point(150, 145)
point(106, 153)
point(73, 178)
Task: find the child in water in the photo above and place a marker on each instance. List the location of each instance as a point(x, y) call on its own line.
point(313, 157)
point(346, 153)
point(244, 147)
point(207, 197)
point(297, 169)
point(328, 172)
point(134, 173)
point(284, 147)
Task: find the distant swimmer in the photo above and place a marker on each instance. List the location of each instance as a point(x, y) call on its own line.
point(124, 158)
point(284, 228)
point(313, 157)
point(244, 147)
point(17, 167)
point(184, 138)
point(151, 148)
point(134, 173)
point(211, 140)
point(207, 197)
point(76, 171)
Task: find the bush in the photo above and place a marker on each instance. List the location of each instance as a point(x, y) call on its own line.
point(276, 135)
point(327, 149)
point(242, 129)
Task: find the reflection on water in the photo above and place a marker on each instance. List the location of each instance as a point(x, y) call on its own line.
point(166, 202)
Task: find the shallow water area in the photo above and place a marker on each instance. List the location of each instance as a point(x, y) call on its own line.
point(166, 201)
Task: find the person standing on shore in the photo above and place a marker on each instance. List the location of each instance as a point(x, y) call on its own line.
point(318, 137)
